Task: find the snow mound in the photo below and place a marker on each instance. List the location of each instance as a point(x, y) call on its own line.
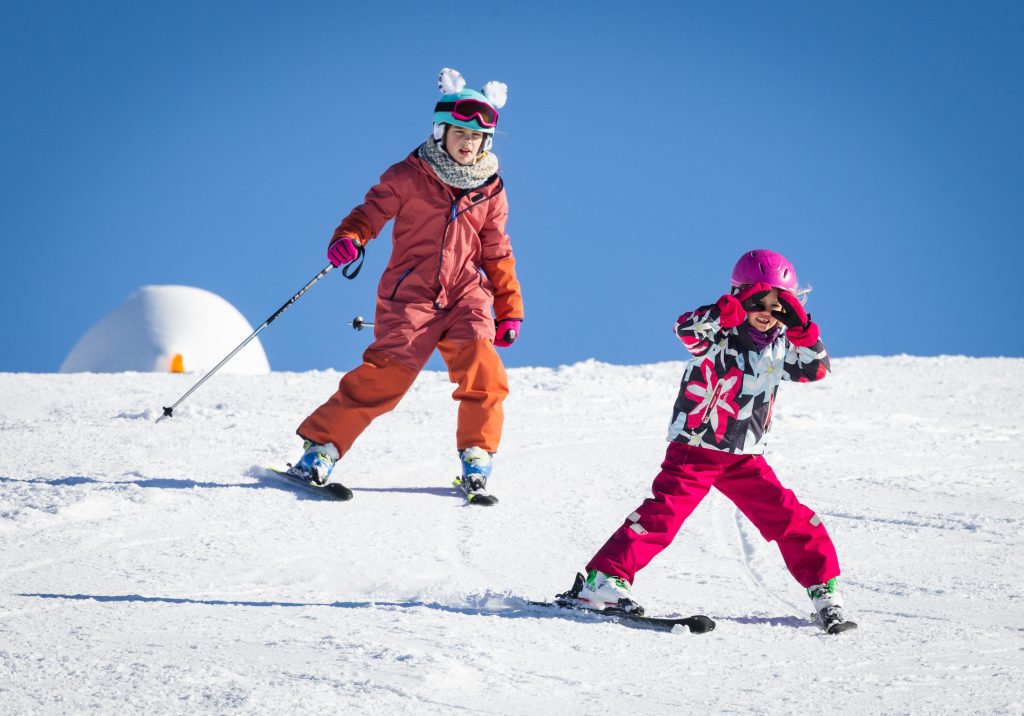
point(168, 329)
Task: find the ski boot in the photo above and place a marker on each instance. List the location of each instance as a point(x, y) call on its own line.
point(601, 592)
point(316, 463)
point(476, 468)
point(828, 606)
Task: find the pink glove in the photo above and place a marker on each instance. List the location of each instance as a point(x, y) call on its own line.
point(804, 336)
point(733, 309)
point(342, 251)
point(750, 297)
point(792, 314)
point(506, 332)
point(800, 329)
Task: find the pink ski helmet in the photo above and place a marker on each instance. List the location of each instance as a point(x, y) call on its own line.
point(762, 265)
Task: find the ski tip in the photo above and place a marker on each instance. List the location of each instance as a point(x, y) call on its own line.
point(339, 491)
point(475, 498)
point(700, 624)
point(841, 627)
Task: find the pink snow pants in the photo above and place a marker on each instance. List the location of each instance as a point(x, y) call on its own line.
point(686, 476)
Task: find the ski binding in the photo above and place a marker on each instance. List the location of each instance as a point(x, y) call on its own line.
point(475, 497)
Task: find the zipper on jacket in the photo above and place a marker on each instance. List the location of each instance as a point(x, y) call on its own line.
point(452, 216)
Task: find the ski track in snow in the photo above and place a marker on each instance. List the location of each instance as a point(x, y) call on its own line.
point(156, 568)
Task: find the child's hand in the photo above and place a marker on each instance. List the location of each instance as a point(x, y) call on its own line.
point(792, 314)
point(750, 297)
point(506, 332)
point(800, 329)
point(342, 251)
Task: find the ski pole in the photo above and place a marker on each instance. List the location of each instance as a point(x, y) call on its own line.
point(169, 412)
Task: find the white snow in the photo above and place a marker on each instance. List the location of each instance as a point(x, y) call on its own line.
point(157, 323)
point(154, 568)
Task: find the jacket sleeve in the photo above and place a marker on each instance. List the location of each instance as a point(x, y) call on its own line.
point(381, 205)
point(498, 262)
point(700, 329)
point(805, 364)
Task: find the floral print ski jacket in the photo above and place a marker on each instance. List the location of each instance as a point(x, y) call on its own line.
point(728, 389)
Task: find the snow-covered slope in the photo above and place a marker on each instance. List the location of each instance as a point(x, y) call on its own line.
point(154, 568)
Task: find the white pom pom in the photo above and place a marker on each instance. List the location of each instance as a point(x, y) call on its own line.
point(450, 81)
point(497, 93)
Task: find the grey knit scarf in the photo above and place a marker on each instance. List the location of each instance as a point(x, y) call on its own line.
point(454, 174)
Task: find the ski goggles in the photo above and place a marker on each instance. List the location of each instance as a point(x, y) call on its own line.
point(801, 293)
point(466, 110)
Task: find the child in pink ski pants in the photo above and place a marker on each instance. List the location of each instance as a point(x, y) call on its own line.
point(743, 346)
point(686, 476)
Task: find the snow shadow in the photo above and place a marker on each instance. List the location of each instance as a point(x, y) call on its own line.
point(524, 611)
point(267, 478)
point(440, 491)
point(162, 483)
point(792, 622)
point(250, 603)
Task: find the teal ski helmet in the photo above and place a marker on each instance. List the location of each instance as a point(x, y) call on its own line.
point(467, 108)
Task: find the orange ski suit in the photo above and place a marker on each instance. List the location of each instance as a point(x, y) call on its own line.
point(451, 265)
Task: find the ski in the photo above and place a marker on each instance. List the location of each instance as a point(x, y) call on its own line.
point(334, 490)
point(841, 627)
point(475, 497)
point(832, 619)
point(697, 624)
point(833, 626)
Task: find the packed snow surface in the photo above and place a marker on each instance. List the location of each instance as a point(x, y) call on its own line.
point(157, 568)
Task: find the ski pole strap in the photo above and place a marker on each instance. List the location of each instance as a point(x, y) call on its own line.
point(357, 266)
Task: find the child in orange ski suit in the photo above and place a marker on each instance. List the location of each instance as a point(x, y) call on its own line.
point(451, 284)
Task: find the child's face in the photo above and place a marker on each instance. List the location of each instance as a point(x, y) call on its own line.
point(463, 144)
point(763, 320)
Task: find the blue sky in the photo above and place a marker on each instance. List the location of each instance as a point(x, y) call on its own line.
point(645, 146)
